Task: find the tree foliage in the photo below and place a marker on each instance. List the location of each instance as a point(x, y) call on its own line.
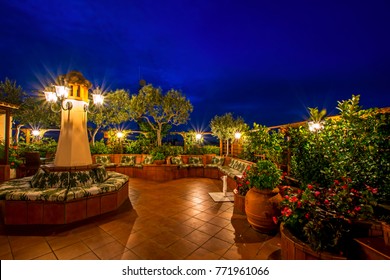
point(260, 141)
point(10, 92)
point(354, 145)
point(224, 127)
point(159, 109)
point(35, 113)
point(115, 111)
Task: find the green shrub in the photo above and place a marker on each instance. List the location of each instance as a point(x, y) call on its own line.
point(355, 146)
point(100, 148)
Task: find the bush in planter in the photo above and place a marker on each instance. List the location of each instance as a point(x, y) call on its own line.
point(261, 141)
point(322, 217)
point(100, 148)
point(158, 156)
point(355, 145)
point(264, 175)
point(261, 201)
point(243, 184)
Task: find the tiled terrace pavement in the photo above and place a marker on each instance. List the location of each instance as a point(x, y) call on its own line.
point(170, 220)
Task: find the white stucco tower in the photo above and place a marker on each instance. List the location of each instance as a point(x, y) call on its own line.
point(73, 145)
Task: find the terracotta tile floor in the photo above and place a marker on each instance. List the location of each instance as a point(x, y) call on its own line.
point(170, 220)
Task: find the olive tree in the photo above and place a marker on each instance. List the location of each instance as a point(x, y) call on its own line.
point(114, 111)
point(224, 127)
point(158, 109)
point(35, 113)
point(10, 92)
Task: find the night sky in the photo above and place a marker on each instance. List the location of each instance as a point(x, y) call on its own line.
point(266, 61)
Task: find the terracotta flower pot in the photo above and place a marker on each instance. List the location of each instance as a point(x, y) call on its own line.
point(261, 206)
point(239, 202)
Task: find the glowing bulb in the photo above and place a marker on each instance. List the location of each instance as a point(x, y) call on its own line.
point(62, 91)
point(50, 96)
point(98, 99)
point(120, 134)
point(237, 135)
point(198, 136)
point(35, 132)
point(315, 126)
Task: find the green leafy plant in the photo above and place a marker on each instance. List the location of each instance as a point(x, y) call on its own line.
point(158, 156)
point(100, 148)
point(322, 216)
point(260, 141)
point(354, 145)
point(264, 175)
point(243, 184)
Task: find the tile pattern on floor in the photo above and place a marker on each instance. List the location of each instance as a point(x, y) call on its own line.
point(170, 220)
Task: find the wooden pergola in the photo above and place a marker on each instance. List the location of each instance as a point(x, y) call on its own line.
point(5, 125)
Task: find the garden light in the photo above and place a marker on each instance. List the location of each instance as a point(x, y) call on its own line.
point(315, 126)
point(35, 132)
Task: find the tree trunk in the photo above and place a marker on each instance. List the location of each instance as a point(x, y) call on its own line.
point(95, 131)
point(158, 132)
point(227, 147)
point(17, 134)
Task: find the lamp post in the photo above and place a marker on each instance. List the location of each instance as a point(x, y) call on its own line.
point(72, 93)
point(120, 135)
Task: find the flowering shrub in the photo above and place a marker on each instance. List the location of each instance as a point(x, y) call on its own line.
point(243, 184)
point(322, 217)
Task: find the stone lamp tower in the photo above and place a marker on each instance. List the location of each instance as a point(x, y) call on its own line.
point(73, 145)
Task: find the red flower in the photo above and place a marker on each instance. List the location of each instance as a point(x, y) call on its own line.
point(286, 211)
point(358, 208)
point(336, 182)
point(317, 193)
point(309, 187)
point(326, 201)
point(307, 215)
point(293, 199)
point(275, 219)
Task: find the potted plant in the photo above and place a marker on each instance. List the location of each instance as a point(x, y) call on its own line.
point(262, 198)
point(241, 190)
point(320, 219)
point(158, 158)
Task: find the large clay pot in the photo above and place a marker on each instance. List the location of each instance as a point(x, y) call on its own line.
point(239, 202)
point(261, 206)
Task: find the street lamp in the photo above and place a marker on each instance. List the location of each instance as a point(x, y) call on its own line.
point(55, 94)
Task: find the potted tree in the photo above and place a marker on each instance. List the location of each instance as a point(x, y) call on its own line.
point(262, 199)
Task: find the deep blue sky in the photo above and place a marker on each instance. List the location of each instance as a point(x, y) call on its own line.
point(266, 61)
